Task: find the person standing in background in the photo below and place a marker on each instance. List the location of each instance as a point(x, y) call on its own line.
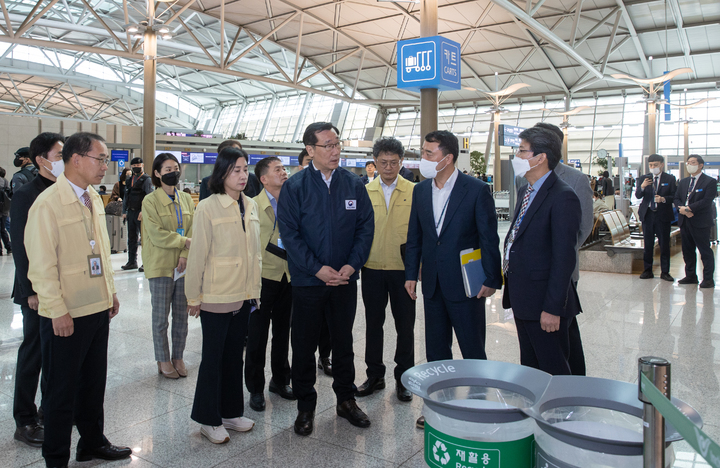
point(253, 186)
point(118, 191)
point(370, 170)
point(4, 211)
point(27, 171)
point(136, 188)
point(167, 232)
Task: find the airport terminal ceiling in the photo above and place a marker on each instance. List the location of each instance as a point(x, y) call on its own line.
point(78, 59)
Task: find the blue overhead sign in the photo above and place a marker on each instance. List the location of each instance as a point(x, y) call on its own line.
point(428, 62)
point(119, 155)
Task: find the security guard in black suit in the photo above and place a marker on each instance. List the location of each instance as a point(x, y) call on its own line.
point(694, 199)
point(657, 191)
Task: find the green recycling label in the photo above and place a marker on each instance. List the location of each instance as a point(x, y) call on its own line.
point(444, 451)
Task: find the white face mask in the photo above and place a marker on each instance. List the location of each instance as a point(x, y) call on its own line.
point(521, 166)
point(428, 168)
point(56, 167)
point(655, 170)
point(692, 169)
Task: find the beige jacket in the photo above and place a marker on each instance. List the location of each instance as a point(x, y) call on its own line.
point(57, 244)
point(224, 263)
point(273, 267)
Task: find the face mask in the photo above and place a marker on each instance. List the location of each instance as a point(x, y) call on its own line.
point(692, 169)
point(428, 168)
point(17, 162)
point(137, 170)
point(521, 166)
point(655, 170)
point(171, 178)
point(56, 167)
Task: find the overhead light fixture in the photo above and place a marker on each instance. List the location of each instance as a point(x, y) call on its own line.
point(132, 29)
point(163, 30)
point(167, 37)
point(137, 36)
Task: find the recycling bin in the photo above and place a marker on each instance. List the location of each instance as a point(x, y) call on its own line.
point(474, 412)
point(585, 422)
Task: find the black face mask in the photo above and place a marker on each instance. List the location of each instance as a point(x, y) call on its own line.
point(137, 170)
point(171, 178)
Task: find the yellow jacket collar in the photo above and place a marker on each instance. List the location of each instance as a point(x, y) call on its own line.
point(164, 199)
point(403, 185)
point(67, 194)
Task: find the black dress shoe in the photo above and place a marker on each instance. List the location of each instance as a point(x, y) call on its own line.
point(647, 274)
point(420, 423)
point(707, 284)
point(32, 434)
point(106, 452)
point(369, 386)
point(349, 410)
point(688, 280)
point(141, 269)
point(304, 423)
point(257, 401)
point(326, 365)
point(285, 391)
point(403, 393)
point(667, 277)
point(129, 266)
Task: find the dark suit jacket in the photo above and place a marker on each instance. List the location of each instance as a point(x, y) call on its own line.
point(700, 203)
point(21, 203)
point(666, 189)
point(542, 258)
point(407, 173)
point(470, 222)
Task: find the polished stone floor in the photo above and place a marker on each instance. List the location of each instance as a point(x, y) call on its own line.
point(624, 318)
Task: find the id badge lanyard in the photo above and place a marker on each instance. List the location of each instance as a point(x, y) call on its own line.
point(279, 241)
point(94, 260)
point(178, 213)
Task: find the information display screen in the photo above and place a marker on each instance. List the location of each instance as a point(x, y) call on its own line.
point(509, 135)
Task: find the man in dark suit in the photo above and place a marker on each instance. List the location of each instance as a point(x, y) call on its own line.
point(657, 191)
point(694, 199)
point(46, 155)
point(539, 256)
point(253, 186)
point(450, 212)
point(369, 173)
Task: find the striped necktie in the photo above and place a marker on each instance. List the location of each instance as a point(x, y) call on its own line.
point(87, 202)
point(690, 190)
point(516, 227)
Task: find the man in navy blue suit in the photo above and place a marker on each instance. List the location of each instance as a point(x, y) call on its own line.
point(539, 256)
point(450, 212)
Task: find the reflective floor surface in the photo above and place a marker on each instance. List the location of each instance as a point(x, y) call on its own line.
point(625, 318)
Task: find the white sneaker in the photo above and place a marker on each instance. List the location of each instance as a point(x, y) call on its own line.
point(241, 424)
point(215, 434)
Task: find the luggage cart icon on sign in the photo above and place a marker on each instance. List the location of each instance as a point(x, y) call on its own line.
point(418, 62)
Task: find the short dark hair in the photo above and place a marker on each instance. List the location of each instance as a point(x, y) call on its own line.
point(103, 188)
point(388, 145)
point(553, 128)
point(301, 157)
point(224, 163)
point(698, 157)
point(656, 158)
point(263, 165)
point(367, 163)
point(79, 143)
point(157, 165)
point(596, 194)
point(228, 144)
point(2, 173)
point(42, 144)
point(542, 140)
point(310, 135)
point(448, 142)
point(606, 174)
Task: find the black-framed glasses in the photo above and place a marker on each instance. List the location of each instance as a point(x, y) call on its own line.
point(392, 164)
point(331, 146)
point(105, 161)
point(518, 151)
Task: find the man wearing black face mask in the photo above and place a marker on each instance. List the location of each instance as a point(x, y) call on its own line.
point(27, 170)
point(136, 187)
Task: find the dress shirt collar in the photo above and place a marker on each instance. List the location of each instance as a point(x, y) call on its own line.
point(327, 180)
point(391, 186)
point(78, 191)
point(273, 201)
point(449, 184)
point(538, 183)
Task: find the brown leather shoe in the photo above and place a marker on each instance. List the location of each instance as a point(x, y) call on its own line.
point(168, 374)
point(349, 410)
point(179, 366)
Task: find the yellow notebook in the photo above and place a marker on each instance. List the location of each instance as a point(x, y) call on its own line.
point(473, 273)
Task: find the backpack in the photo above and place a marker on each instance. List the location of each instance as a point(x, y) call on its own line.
point(5, 199)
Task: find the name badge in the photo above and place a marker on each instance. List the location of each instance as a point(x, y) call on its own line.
point(664, 184)
point(181, 231)
point(350, 205)
point(280, 244)
point(95, 265)
point(699, 190)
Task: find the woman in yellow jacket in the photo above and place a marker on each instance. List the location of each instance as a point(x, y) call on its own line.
point(166, 227)
point(222, 286)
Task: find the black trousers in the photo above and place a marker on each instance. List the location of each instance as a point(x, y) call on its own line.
point(219, 392)
point(324, 345)
point(697, 238)
point(653, 227)
point(76, 368)
point(549, 352)
point(466, 317)
point(133, 226)
point(576, 360)
point(27, 370)
point(312, 305)
point(275, 306)
point(4, 234)
point(377, 285)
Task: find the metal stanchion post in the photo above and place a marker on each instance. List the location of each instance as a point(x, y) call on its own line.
point(657, 370)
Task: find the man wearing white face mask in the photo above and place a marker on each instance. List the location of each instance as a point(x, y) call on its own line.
point(451, 212)
point(657, 191)
point(695, 200)
point(46, 154)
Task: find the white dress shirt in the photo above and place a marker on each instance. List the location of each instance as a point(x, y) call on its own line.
point(441, 198)
point(388, 190)
point(78, 191)
point(327, 180)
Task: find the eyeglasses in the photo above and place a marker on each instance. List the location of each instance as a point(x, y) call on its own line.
point(518, 151)
point(105, 161)
point(330, 146)
point(388, 163)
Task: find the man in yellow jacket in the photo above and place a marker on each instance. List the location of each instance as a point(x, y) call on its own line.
point(384, 273)
point(69, 266)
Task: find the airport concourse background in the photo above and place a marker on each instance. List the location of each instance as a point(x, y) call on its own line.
point(624, 318)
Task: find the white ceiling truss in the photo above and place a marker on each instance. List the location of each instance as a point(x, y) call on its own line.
point(233, 51)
